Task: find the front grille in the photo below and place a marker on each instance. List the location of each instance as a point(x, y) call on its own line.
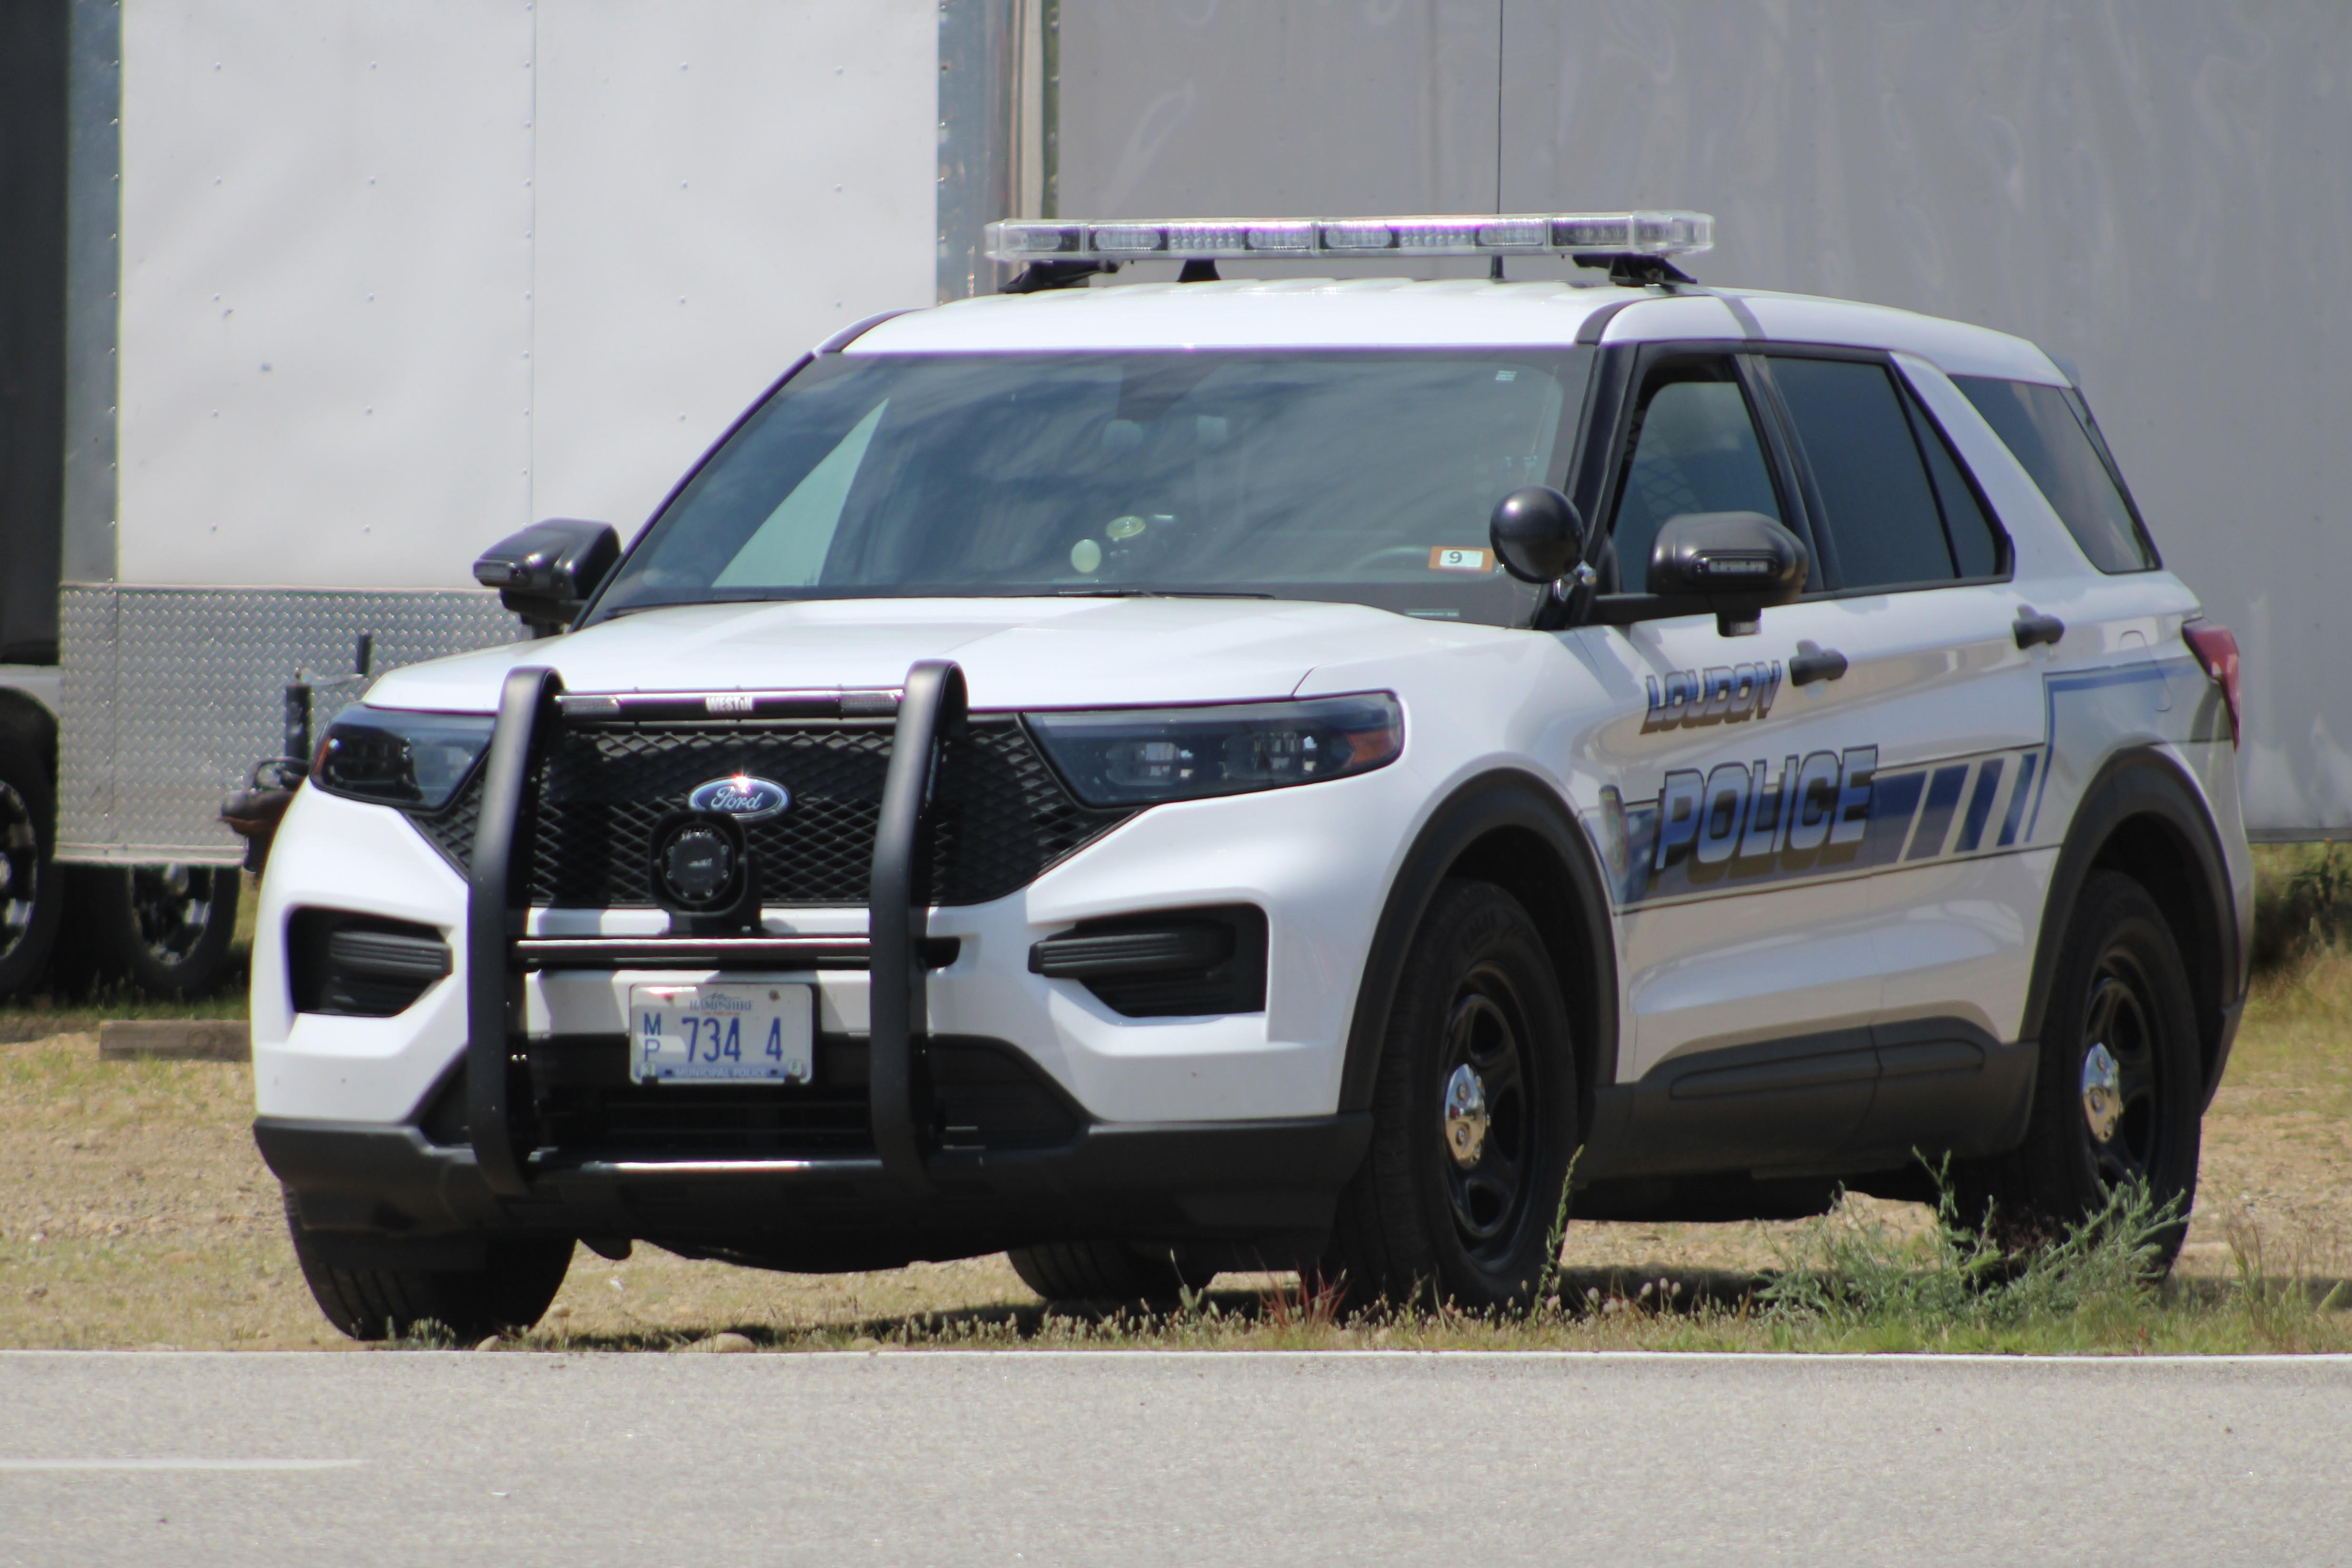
point(1002, 818)
point(981, 1097)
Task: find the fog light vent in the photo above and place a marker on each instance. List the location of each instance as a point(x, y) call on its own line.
point(361, 966)
point(1182, 963)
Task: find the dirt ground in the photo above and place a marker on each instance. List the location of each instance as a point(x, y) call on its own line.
point(134, 1212)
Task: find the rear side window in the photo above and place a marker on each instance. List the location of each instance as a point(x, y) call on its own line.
point(1879, 518)
point(2052, 439)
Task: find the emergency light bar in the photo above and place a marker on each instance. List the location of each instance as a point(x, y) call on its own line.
point(1659, 234)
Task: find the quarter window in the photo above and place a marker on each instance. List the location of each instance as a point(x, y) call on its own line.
point(2055, 440)
point(1977, 543)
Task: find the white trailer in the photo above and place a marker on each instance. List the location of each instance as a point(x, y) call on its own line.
point(355, 288)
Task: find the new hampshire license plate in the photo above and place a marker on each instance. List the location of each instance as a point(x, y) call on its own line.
point(741, 1033)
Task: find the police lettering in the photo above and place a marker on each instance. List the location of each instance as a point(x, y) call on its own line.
point(1736, 811)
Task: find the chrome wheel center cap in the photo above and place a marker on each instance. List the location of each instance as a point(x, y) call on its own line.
point(2103, 1092)
point(1465, 1117)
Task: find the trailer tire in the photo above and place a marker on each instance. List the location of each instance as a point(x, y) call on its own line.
point(165, 929)
point(32, 891)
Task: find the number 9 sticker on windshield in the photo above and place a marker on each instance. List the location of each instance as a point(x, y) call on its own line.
point(742, 1033)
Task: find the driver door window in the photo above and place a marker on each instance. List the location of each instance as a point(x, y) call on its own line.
point(1692, 448)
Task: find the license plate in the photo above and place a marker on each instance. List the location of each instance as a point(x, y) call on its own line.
point(722, 1034)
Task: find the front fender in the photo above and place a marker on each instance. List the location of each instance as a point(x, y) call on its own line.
point(1510, 827)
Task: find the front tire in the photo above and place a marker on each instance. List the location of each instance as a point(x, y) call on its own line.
point(2118, 1089)
point(1474, 1116)
point(512, 1292)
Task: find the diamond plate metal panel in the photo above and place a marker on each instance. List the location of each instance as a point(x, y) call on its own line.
point(171, 695)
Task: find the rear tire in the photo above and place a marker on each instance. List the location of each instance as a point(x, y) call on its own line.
point(165, 929)
point(2130, 1113)
point(32, 888)
point(1446, 1209)
point(512, 1292)
point(1104, 1271)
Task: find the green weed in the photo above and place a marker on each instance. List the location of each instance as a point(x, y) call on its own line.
point(1856, 1276)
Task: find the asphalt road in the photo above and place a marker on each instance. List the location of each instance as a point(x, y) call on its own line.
point(1128, 1458)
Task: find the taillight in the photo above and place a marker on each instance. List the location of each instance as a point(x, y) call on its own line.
point(2217, 650)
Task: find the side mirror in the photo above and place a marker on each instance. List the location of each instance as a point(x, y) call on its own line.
point(1536, 534)
point(546, 572)
point(1739, 563)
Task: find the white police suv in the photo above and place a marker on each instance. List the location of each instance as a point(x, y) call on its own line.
point(1167, 777)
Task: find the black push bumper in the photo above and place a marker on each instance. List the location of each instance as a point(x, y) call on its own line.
point(375, 1195)
point(889, 1192)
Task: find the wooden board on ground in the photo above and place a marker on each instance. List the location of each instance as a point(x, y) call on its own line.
point(175, 1040)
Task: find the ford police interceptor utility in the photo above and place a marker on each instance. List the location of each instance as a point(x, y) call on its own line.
point(1230, 773)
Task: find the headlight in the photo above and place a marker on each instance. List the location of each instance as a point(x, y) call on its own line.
point(412, 760)
point(1133, 756)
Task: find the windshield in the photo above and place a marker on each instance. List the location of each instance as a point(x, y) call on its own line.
point(1359, 476)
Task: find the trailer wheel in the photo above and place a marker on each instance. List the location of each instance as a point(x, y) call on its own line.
point(165, 929)
point(32, 893)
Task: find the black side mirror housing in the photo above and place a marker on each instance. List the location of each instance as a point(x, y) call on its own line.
point(1536, 534)
point(546, 572)
point(1739, 563)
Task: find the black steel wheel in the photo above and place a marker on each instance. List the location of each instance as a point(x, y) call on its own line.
point(2119, 1076)
point(2118, 1090)
point(1474, 1116)
point(32, 893)
point(1490, 1132)
point(165, 928)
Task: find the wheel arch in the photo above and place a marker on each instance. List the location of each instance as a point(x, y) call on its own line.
point(2142, 816)
point(1510, 828)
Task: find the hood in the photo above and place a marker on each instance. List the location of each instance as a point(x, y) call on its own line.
point(1016, 653)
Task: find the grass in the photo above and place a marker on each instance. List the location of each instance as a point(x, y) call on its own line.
point(133, 1212)
point(60, 1009)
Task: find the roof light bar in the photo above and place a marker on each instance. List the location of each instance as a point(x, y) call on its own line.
point(1208, 239)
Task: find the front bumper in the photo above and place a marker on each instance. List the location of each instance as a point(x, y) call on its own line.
point(957, 1110)
point(378, 1197)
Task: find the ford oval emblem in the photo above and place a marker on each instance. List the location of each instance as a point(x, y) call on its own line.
point(742, 797)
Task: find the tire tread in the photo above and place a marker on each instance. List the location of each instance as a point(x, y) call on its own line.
point(371, 1304)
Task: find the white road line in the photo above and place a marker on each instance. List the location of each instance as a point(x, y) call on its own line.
point(8, 1464)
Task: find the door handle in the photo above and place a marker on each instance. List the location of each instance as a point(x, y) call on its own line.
point(2029, 628)
point(1813, 662)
